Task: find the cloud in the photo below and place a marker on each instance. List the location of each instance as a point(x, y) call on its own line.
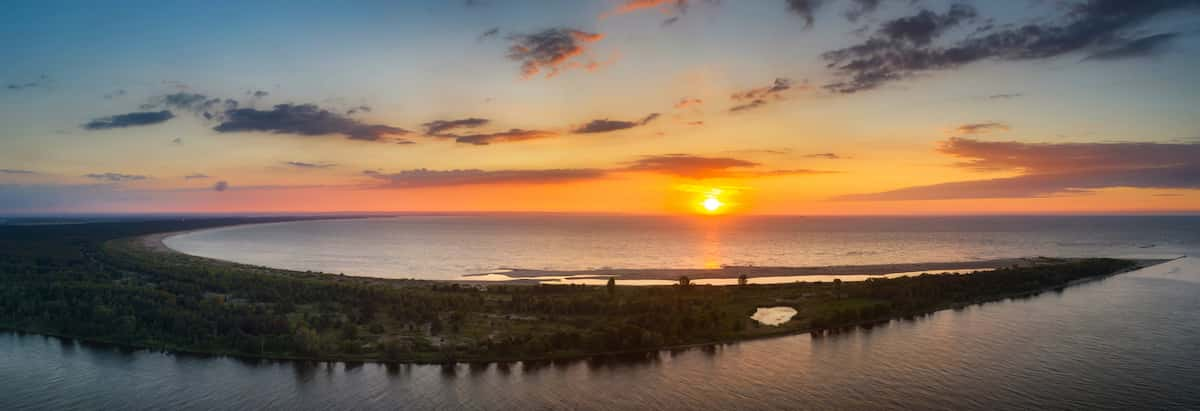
point(490, 33)
point(1141, 47)
point(301, 164)
point(510, 136)
point(760, 96)
point(1066, 157)
point(551, 50)
point(806, 9)
point(827, 156)
point(747, 106)
point(688, 102)
point(116, 177)
point(423, 178)
point(221, 186)
point(691, 166)
point(211, 108)
point(903, 47)
point(259, 94)
point(304, 120)
point(196, 176)
point(359, 109)
point(981, 128)
point(779, 86)
point(630, 6)
point(437, 127)
point(41, 81)
point(606, 125)
point(1005, 96)
point(16, 171)
point(860, 8)
point(177, 141)
point(1060, 168)
point(143, 118)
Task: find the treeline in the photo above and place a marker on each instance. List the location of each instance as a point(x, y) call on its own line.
point(99, 282)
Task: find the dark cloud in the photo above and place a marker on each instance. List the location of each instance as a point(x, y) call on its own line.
point(981, 128)
point(606, 125)
point(901, 52)
point(551, 50)
point(422, 178)
point(827, 156)
point(510, 136)
point(359, 109)
point(260, 94)
point(1063, 168)
point(116, 177)
point(1141, 47)
point(305, 120)
point(302, 164)
point(221, 186)
point(15, 171)
point(806, 9)
point(196, 176)
point(490, 33)
point(195, 103)
point(437, 127)
point(177, 141)
point(143, 118)
point(923, 27)
point(860, 8)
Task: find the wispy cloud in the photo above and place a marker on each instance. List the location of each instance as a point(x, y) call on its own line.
point(143, 118)
point(308, 165)
point(423, 178)
point(606, 125)
point(981, 128)
point(1057, 168)
point(116, 177)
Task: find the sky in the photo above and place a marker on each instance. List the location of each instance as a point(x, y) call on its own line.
point(802, 107)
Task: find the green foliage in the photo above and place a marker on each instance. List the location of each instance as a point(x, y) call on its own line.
point(100, 282)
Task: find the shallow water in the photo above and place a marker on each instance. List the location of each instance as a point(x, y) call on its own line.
point(447, 247)
point(1125, 342)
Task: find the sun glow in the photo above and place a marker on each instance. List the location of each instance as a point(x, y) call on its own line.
point(712, 204)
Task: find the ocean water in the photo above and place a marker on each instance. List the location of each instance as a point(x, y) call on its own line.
point(448, 247)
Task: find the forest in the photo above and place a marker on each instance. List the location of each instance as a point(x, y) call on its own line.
point(101, 282)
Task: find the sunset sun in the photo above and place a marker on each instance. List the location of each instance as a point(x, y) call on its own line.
point(712, 204)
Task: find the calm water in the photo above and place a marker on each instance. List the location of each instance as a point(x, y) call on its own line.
point(448, 247)
point(1129, 341)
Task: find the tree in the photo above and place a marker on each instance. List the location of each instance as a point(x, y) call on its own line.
point(684, 281)
point(837, 288)
point(742, 280)
point(612, 285)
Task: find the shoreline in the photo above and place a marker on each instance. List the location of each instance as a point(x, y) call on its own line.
point(522, 276)
point(780, 332)
point(146, 262)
